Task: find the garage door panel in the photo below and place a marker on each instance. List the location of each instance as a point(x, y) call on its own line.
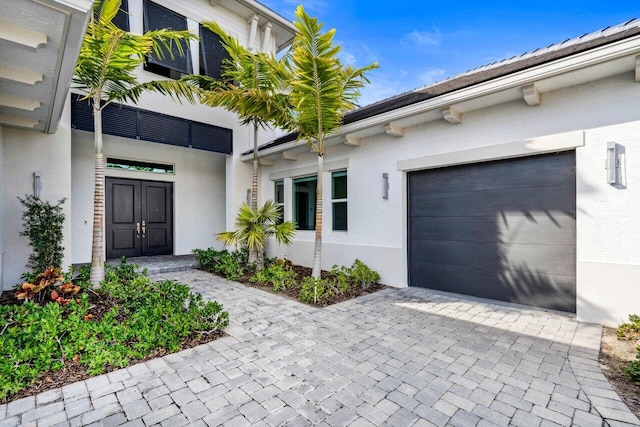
point(534, 229)
point(503, 230)
point(531, 201)
point(516, 173)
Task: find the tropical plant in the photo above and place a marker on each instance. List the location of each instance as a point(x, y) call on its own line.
point(255, 226)
point(105, 73)
point(322, 90)
point(42, 224)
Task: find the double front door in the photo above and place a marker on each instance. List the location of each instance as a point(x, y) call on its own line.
point(139, 217)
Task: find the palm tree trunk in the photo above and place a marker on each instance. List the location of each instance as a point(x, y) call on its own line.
point(97, 251)
point(254, 181)
point(317, 252)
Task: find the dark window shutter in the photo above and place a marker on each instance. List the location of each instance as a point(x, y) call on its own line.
point(121, 20)
point(212, 54)
point(158, 127)
point(211, 138)
point(81, 114)
point(119, 120)
point(157, 17)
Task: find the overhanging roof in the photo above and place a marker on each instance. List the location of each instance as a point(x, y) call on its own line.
point(495, 72)
point(39, 45)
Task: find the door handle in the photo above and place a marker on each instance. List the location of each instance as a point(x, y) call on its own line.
point(138, 229)
point(144, 229)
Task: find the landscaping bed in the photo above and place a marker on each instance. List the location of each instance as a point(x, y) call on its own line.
point(47, 343)
point(615, 354)
point(282, 277)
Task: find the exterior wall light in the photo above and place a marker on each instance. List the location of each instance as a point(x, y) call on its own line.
point(385, 185)
point(613, 163)
point(37, 184)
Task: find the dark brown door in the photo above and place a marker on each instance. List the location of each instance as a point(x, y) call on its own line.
point(139, 217)
point(504, 230)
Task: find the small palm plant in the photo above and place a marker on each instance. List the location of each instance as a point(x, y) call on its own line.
point(255, 226)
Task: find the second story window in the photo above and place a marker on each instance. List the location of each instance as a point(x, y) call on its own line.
point(157, 17)
point(121, 20)
point(212, 54)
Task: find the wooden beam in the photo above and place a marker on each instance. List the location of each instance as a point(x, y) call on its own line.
point(638, 68)
point(20, 75)
point(19, 102)
point(531, 95)
point(393, 129)
point(288, 155)
point(22, 37)
point(266, 162)
point(452, 115)
point(266, 41)
point(352, 140)
point(25, 122)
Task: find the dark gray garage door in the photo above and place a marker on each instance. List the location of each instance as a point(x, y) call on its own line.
point(504, 230)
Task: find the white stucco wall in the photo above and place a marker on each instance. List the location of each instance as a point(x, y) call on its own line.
point(24, 152)
point(199, 189)
point(377, 227)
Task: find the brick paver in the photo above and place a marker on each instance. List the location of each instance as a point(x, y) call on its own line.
point(397, 357)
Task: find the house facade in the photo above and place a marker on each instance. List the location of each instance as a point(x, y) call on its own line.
point(174, 176)
point(516, 181)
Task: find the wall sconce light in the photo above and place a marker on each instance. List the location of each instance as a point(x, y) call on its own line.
point(613, 163)
point(385, 185)
point(37, 184)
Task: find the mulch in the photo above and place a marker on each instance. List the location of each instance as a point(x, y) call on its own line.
point(614, 355)
point(292, 293)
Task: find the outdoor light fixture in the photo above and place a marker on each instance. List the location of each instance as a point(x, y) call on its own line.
point(385, 185)
point(613, 163)
point(37, 184)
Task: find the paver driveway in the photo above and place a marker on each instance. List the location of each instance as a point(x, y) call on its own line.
point(397, 357)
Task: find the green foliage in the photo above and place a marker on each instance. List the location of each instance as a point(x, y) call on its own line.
point(362, 275)
point(42, 224)
point(627, 330)
point(255, 226)
point(224, 263)
point(147, 316)
point(276, 274)
point(632, 370)
point(313, 290)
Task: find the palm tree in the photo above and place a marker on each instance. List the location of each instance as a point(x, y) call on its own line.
point(255, 226)
point(105, 71)
point(250, 87)
point(322, 90)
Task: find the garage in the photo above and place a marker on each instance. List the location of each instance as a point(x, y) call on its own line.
point(503, 230)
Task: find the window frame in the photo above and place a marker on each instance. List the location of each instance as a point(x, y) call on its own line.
point(279, 204)
point(335, 201)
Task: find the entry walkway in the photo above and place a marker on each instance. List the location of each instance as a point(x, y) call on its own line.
point(398, 357)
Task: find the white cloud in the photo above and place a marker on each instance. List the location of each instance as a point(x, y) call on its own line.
point(431, 76)
point(425, 38)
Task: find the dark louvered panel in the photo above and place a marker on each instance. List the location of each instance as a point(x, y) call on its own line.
point(121, 20)
point(212, 54)
point(211, 138)
point(81, 114)
point(162, 128)
point(119, 120)
point(157, 17)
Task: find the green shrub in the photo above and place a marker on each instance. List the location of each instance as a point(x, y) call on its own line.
point(42, 224)
point(362, 275)
point(277, 275)
point(632, 370)
point(625, 330)
point(312, 291)
point(339, 279)
point(224, 263)
point(146, 316)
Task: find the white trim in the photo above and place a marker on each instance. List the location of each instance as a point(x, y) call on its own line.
point(309, 170)
point(544, 144)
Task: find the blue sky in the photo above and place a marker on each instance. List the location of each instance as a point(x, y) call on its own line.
point(418, 42)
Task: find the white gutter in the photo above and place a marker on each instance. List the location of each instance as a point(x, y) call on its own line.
point(575, 62)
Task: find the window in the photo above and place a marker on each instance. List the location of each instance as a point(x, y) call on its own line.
point(212, 54)
point(136, 165)
point(121, 20)
point(278, 197)
point(339, 200)
point(157, 17)
point(304, 202)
